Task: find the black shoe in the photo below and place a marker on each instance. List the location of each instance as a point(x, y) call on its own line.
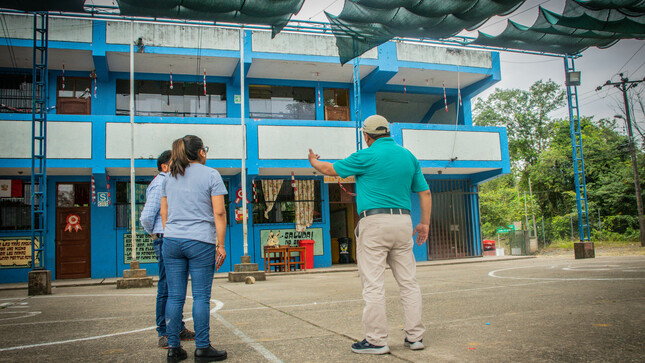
point(176, 355)
point(209, 354)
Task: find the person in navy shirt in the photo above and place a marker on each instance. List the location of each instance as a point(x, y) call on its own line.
point(151, 222)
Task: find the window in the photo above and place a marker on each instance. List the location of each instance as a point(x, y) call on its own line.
point(15, 93)
point(185, 99)
point(336, 104)
point(73, 195)
point(74, 96)
point(284, 207)
point(282, 102)
point(15, 212)
point(122, 204)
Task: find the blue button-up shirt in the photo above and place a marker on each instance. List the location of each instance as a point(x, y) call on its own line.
point(151, 213)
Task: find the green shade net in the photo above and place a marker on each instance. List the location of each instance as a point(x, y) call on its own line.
point(583, 24)
point(43, 5)
point(268, 12)
point(365, 24)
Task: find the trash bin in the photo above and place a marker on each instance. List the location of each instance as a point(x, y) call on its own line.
point(345, 250)
point(308, 244)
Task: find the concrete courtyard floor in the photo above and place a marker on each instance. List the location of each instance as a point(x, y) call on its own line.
point(548, 309)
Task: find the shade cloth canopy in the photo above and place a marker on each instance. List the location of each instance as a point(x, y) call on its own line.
point(268, 12)
point(275, 13)
point(365, 24)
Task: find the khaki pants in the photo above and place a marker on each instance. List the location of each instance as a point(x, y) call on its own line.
point(386, 238)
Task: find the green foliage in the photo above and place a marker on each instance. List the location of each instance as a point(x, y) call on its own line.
point(525, 116)
point(540, 150)
point(501, 204)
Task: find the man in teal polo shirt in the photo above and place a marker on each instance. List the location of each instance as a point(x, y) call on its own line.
point(386, 174)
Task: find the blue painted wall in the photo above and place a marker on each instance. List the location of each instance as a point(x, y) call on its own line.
point(107, 240)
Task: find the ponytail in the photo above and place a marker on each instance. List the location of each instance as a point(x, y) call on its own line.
point(184, 151)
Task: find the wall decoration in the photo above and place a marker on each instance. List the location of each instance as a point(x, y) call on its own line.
point(291, 237)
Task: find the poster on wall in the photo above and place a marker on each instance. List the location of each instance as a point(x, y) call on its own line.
point(291, 237)
point(15, 251)
point(145, 250)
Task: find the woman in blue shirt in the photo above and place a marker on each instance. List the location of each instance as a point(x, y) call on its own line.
point(194, 219)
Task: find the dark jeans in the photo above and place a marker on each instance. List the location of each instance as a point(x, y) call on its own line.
point(183, 257)
point(162, 290)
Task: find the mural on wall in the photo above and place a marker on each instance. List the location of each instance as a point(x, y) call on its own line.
point(15, 251)
point(145, 250)
point(274, 237)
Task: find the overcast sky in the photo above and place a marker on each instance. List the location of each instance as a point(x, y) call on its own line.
point(522, 70)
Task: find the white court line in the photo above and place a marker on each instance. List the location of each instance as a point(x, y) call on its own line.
point(387, 297)
point(494, 274)
point(65, 321)
point(218, 305)
point(245, 338)
point(28, 314)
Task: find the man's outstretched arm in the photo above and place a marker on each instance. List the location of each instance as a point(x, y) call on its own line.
point(323, 167)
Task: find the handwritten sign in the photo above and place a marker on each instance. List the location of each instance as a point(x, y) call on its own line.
point(291, 237)
point(145, 250)
point(15, 251)
point(336, 179)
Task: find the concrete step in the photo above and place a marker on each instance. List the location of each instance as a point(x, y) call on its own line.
point(133, 283)
point(241, 276)
point(128, 274)
point(245, 267)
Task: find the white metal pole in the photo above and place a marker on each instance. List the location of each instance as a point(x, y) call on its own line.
point(245, 230)
point(132, 174)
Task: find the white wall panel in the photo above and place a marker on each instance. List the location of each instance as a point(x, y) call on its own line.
point(67, 30)
point(294, 142)
point(65, 140)
point(442, 55)
point(444, 145)
point(179, 36)
point(307, 44)
point(224, 141)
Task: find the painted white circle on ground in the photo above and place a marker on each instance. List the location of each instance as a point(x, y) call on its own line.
point(495, 274)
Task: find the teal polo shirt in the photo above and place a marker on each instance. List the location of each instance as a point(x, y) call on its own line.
point(385, 175)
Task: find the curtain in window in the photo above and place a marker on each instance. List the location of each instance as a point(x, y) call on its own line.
point(304, 210)
point(271, 189)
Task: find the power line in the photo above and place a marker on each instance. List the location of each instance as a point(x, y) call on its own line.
point(630, 58)
point(316, 14)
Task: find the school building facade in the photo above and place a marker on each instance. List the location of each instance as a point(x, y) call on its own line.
point(187, 81)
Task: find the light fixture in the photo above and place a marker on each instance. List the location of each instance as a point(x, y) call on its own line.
point(573, 78)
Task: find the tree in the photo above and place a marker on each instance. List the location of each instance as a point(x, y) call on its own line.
point(525, 114)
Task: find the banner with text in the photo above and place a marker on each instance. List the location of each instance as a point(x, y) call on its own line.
point(291, 237)
point(15, 251)
point(145, 250)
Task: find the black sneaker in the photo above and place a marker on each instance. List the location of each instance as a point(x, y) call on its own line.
point(418, 345)
point(365, 347)
point(209, 354)
point(187, 335)
point(176, 355)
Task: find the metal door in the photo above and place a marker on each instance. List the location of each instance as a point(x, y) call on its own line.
point(454, 214)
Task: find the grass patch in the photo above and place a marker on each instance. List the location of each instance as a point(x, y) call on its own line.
point(567, 244)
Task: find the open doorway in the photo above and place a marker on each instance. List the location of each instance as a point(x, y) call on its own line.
point(343, 220)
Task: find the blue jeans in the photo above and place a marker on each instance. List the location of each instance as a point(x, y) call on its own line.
point(183, 257)
point(162, 290)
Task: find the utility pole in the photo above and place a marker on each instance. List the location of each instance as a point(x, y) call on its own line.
point(625, 85)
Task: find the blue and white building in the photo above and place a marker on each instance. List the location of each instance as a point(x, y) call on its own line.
point(297, 96)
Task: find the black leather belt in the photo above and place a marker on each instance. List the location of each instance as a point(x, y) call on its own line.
point(370, 212)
